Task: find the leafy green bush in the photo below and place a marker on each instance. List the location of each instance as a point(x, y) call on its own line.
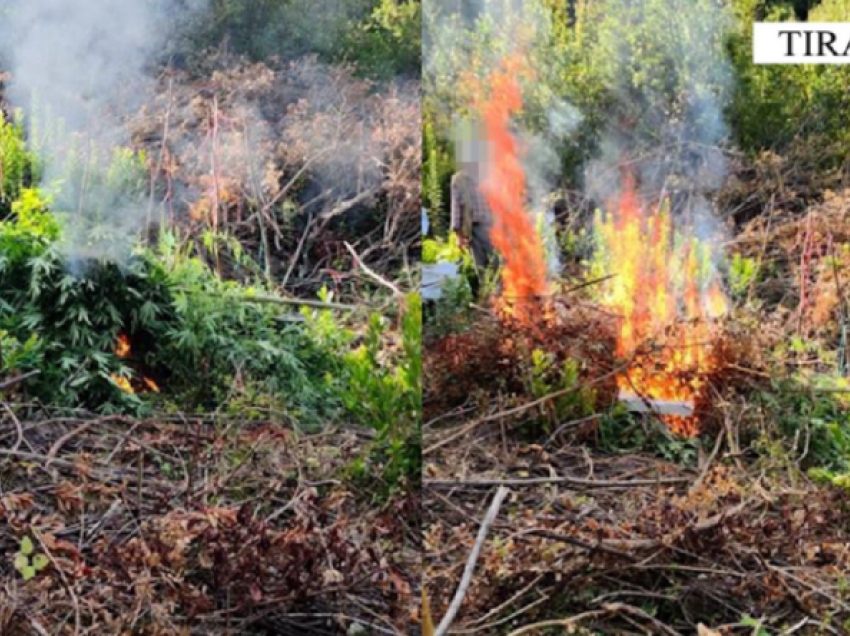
point(443, 251)
point(16, 355)
point(388, 397)
point(623, 432)
point(75, 317)
point(545, 377)
point(453, 312)
point(221, 339)
point(16, 163)
point(437, 170)
point(817, 424)
point(194, 327)
point(743, 272)
point(379, 390)
point(99, 201)
point(389, 42)
point(383, 37)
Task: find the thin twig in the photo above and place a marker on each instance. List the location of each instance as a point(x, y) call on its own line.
point(297, 256)
point(466, 579)
point(15, 381)
point(372, 274)
point(18, 428)
point(564, 622)
point(281, 300)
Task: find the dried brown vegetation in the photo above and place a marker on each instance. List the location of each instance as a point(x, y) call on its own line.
point(197, 526)
point(293, 159)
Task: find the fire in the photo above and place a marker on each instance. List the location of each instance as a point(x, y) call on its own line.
point(123, 349)
point(666, 292)
point(664, 287)
point(513, 234)
point(123, 383)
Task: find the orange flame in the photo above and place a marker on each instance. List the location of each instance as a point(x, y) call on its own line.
point(123, 349)
point(663, 295)
point(123, 383)
point(504, 188)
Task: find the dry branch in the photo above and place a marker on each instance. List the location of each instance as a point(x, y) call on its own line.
point(298, 302)
point(8, 384)
point(466, 579)
point(577, 482)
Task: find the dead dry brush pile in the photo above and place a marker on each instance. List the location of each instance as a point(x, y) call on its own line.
point(623, 543)
point(494, 357)
point(803, 260)
point(195, 526)
point(294, 159)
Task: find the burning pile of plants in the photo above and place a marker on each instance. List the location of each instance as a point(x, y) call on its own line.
point(496, 355)
point(660, 299)
point(665, 288)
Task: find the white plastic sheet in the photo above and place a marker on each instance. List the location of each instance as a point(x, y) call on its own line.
point(434, 276)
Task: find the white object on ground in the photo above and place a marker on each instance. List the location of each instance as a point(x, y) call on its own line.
point(425, 223)
point(434, 275)
point(637, 404)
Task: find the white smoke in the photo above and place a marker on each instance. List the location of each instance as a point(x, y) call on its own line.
point(667, 71)
point(79, 68)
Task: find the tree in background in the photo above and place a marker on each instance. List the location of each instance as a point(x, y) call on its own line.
point(383, 37)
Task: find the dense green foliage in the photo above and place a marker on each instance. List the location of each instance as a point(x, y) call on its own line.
point(387, 399)
point(72, 319)
point(382, 36)
point(17, 163)
point(389, 41)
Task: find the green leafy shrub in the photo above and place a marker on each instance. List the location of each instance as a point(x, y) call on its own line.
point(99, 201)
point(16, 163)
point(389, 42)
point(383, 37)
point(221, 339)
point(73, 320)
point(388, 397)
point(452, 312)
point(743, 272)
point(381, 391)
point(194, 327)
point(546, 376)
point(437, 170)
point(816, 424)
point(443, 251)
point(16, 355)
point(623, 432)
